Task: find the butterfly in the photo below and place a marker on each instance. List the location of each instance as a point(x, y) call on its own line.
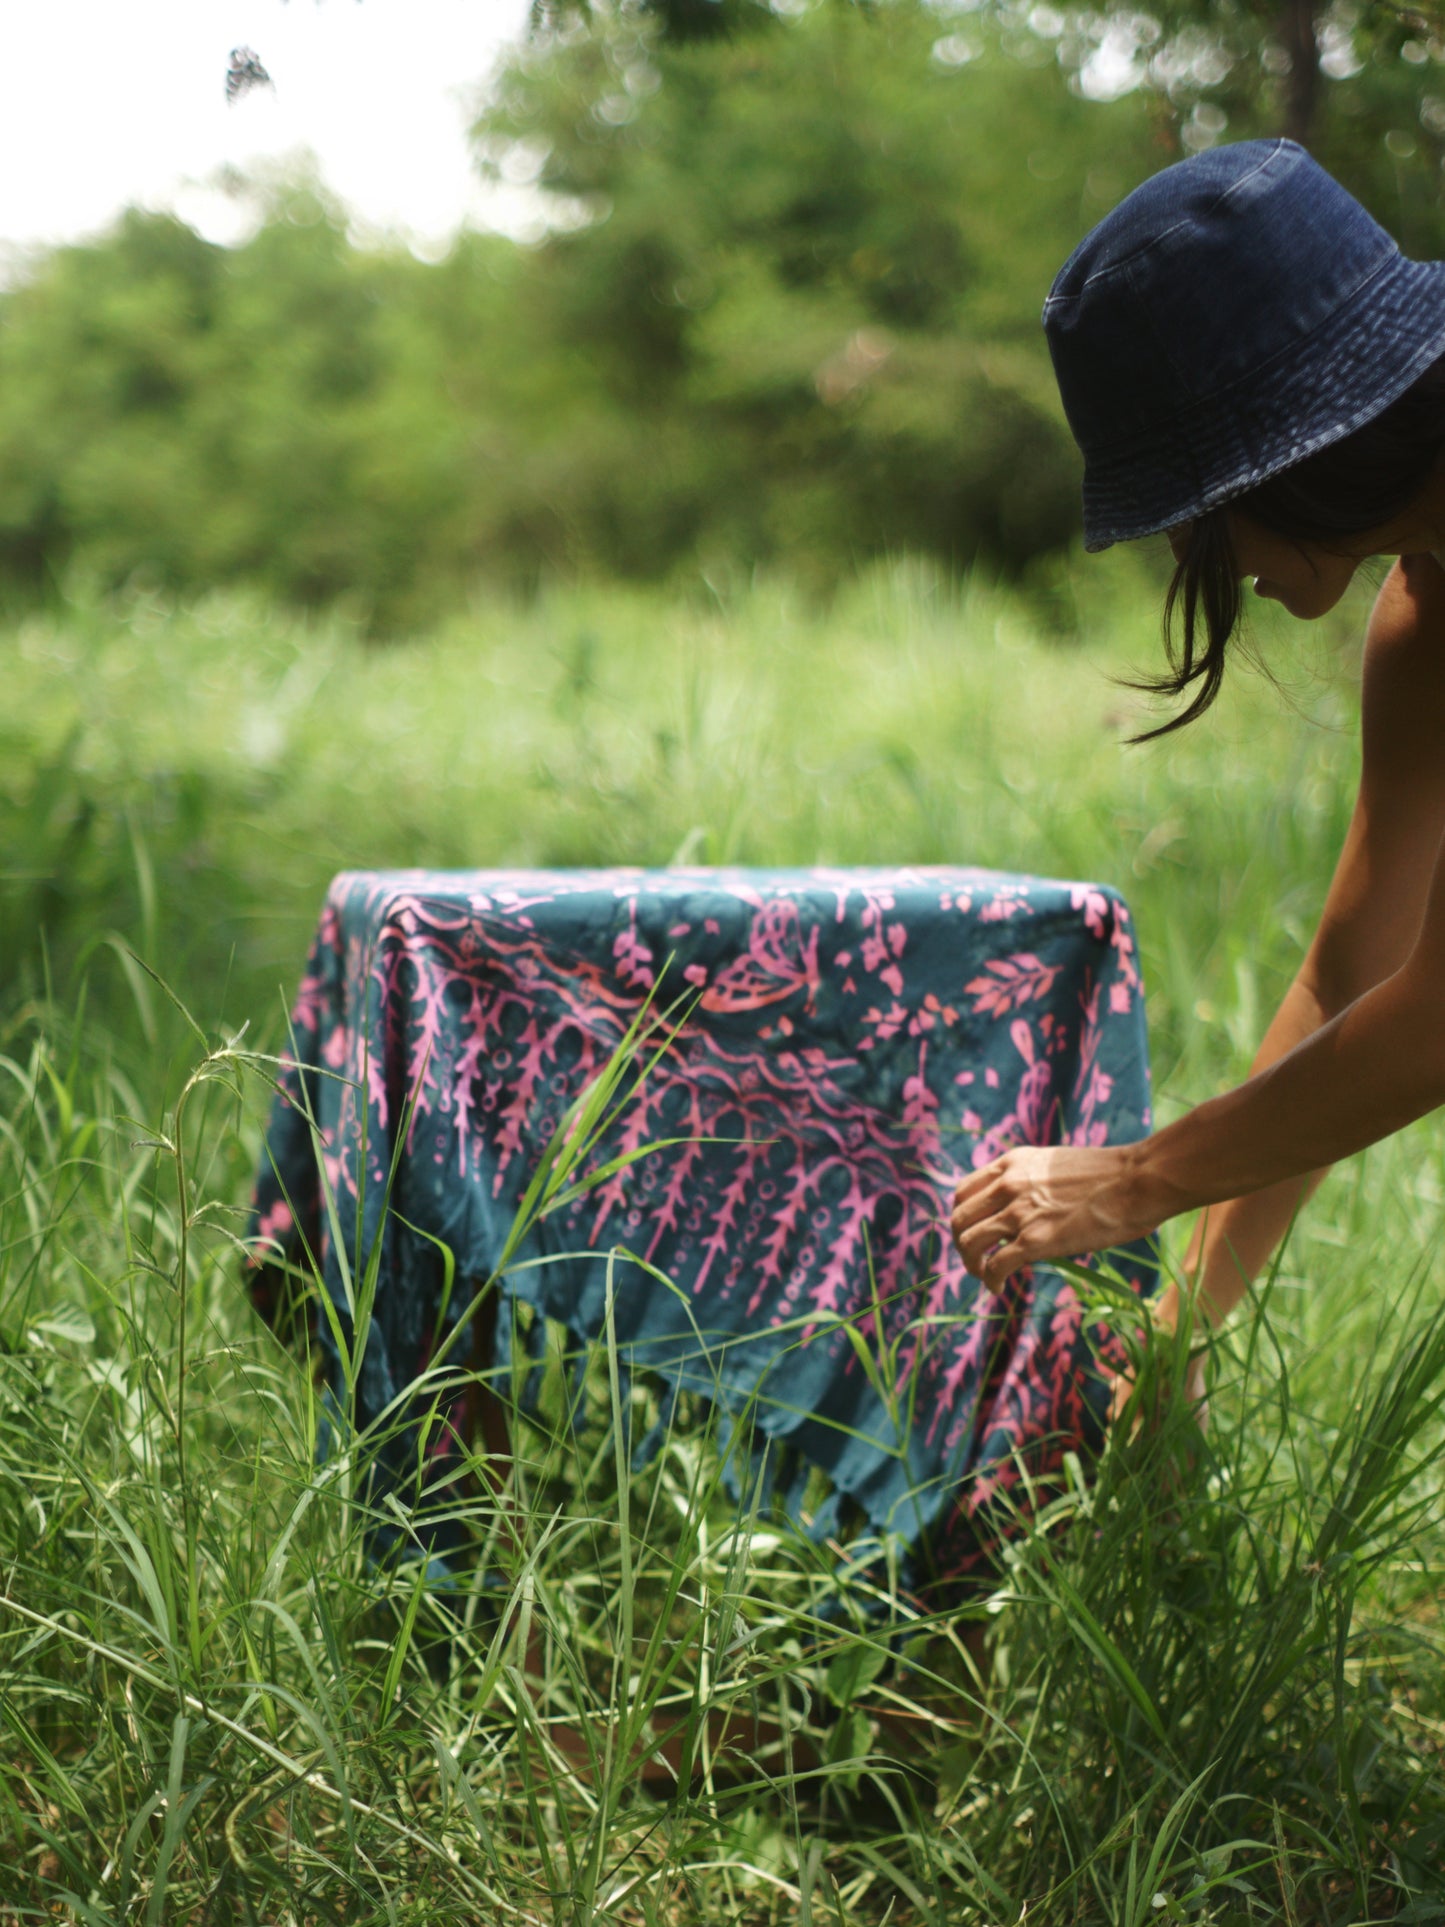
point(244, 73)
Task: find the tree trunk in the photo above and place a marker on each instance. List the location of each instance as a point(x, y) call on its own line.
point(1302, 88)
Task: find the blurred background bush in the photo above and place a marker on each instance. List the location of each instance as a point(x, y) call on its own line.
point(785, 309)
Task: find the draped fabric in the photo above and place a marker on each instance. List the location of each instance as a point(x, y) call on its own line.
point(831, 1051)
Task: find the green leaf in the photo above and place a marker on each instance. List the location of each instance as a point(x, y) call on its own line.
point(854, 1670)
point(70, 1323)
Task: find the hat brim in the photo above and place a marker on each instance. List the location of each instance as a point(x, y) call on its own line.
point(1318, 389)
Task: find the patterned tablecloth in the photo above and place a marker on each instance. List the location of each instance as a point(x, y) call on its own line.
point(841, 1046)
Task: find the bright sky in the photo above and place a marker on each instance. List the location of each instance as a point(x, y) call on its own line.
point(106, 102)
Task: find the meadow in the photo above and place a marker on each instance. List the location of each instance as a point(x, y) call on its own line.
point(1217, 1692)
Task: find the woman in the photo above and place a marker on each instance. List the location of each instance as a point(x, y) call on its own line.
point(1250, 365)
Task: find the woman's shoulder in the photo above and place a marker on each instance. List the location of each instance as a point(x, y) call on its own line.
point(1404, 668)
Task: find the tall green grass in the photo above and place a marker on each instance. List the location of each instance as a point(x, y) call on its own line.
point(1217, 1691)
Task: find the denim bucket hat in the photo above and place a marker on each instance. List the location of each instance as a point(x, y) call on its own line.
point(1234, 314)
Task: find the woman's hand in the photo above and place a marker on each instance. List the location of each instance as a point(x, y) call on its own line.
point(1033, 1204)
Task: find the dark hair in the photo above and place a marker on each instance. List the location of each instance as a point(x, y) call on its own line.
point(1357, 483)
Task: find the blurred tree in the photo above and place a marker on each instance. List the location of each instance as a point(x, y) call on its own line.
point(787, 310)
point(677, 21)
point(1358, 81)
point(783, 305)
point(284, 411)
point(805, 274)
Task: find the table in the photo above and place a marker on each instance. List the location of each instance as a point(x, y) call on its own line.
point(838, 1047)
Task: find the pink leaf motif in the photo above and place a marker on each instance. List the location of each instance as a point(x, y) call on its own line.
point(376, 1093)
point(785, 1222)
point(1123, 942)
point(1095, 906)
point(635, 1131)
point(874, 947)
point(964, 1363)
point(1034, 1118)
point(274, 1223)
point(674, 1197)
point(885, 1023)
point(634, 959)
point(1036, 1113)
point(311, 1002)
point(1011, 982)
point(841, 1270)
point(733, 1199)
point(517, 1111)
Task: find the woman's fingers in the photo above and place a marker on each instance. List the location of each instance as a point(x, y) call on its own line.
point(988, 1220)
point(1000, 1265)
point(974, 1194)
point(991, 1249)
point(1037, 1202)
point(979, 1199)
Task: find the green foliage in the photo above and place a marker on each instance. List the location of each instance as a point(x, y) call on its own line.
point(786, 312)
point(187, 777)
point(676, 20)
point(187, 414)
point(820, 253)
point(1217, 1679)
point(799, 319)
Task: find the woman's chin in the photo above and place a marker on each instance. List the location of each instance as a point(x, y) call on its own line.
point(1305, 605)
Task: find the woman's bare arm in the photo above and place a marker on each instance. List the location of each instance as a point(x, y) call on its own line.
point(1356, 1049)
point(1375, 903)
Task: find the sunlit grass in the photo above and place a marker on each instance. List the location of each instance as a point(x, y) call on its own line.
point(1217, 1688)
